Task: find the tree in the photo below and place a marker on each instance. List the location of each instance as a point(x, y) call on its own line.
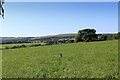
point(78, 37)
point(103, 37)
point(110, 37)
point(86, 35)
point(1, 8)
point(115, 36)
point(50, 42)
point(70, 41)
point(118, 34)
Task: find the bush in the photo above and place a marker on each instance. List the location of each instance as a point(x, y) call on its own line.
point(37, 45)
point(115, 36)
point(23, 45)
point(14, 47)
point(118, 34)
point(110, 37)
point(71, 41)
point(50, 42)
point(103, 37)
point(31, 45)
point(18, 46)
point(7, 47)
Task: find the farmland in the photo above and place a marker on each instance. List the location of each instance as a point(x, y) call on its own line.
point(80, 60)
point(11, 45)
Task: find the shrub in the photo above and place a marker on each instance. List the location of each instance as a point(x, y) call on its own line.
point(118, 34)
point(6, 47)
point(23, 45)
point(36, 45)
point(49, 42)
point(110, 37)
point(103, 37)
point(71, 41)
point(115, 36)
point(31, 45)
point(39, 44)
point(14, 47)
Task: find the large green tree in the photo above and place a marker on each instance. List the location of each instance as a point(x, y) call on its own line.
point(86, 35)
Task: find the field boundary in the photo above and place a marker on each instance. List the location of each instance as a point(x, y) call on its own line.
point(118, 40)
point(0, 54)
point(0, 64)
point(60, 79)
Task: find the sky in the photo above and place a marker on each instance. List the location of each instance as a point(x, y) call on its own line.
point(32, 19)
point(62, 0)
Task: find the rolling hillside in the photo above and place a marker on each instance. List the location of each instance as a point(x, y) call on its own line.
point(80, 60)
point(42, 38)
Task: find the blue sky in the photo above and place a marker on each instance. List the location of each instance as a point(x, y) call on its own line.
point(24, 19)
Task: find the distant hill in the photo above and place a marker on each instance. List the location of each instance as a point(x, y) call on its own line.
point(59, 36)
point(42, 38)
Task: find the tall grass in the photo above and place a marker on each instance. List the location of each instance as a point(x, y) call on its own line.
point(80, 60)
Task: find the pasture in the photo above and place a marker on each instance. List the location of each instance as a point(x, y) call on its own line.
point(18, 44)
point(80, 60)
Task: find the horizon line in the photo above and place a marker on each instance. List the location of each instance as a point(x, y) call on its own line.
point(60, 34)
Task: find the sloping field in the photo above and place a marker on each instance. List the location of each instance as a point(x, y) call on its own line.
point(81, 60)
point(19, 44)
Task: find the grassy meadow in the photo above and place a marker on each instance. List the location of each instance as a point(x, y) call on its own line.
point(18, 44)
point(80, 60)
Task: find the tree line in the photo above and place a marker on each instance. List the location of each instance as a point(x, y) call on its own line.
point(86, 35)
point(89, 35)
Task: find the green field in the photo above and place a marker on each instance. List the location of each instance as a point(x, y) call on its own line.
point(11, 45)
point(80, 60)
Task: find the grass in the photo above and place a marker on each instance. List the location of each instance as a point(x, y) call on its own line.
point(19, 44)
point(80, 60)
